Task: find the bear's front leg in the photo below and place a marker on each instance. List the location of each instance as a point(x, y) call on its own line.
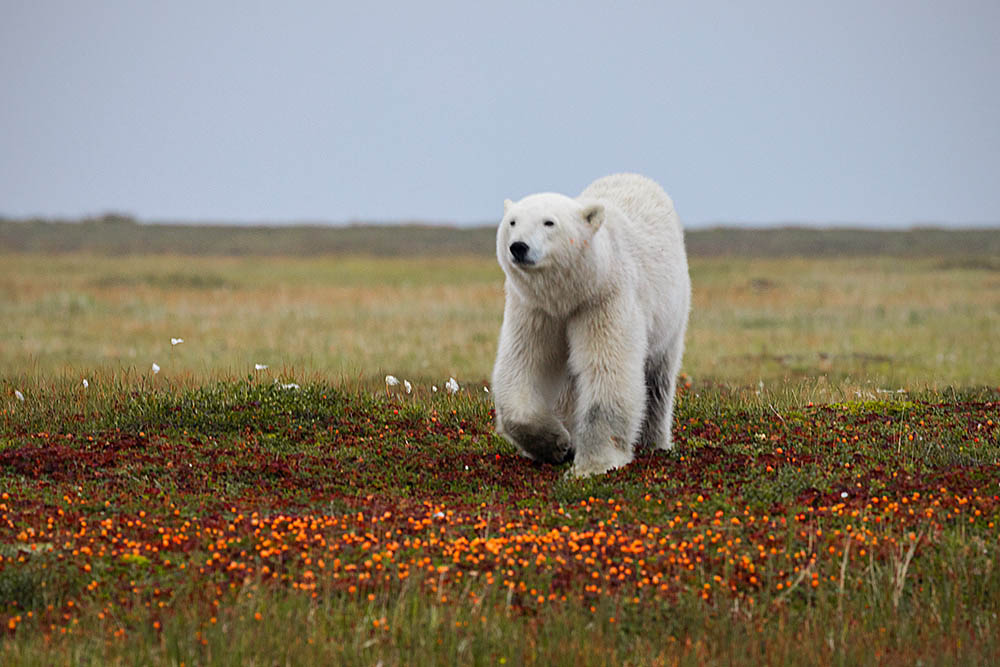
point(607, 347)
point(541, 439)
point(529, 373)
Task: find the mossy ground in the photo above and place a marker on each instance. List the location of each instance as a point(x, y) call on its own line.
point(241, 521)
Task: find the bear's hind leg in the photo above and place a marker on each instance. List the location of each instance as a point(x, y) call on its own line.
point(661, 383)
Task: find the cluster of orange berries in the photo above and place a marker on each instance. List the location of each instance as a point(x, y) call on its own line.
point(582, 550)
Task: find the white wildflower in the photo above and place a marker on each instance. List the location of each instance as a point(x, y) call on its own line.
point(407, 386)
point(391, 380)
point(176, 341)
point(85, 383)
point(290, 385)
point(434, 388)
point(843, 494)
point(451, 386)
point(156, 368)
point(439, 515)
point(19, 395)
point(260, 367)
point(486, 389)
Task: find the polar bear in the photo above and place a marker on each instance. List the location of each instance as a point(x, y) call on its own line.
point(597, 300)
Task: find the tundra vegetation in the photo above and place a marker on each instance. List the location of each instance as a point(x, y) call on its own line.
point(834, 495)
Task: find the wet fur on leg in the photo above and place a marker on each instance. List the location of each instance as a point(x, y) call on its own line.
point(540, 443)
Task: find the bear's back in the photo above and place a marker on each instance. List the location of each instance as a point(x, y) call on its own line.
point(649, 210)
point(650, 233)
point(643, 201)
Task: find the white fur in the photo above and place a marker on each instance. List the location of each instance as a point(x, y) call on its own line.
point(594, 325)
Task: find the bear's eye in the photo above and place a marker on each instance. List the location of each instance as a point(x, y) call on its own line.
point(549, 223)
point(512, 222)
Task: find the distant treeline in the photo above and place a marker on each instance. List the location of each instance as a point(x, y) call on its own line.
point(119, 235)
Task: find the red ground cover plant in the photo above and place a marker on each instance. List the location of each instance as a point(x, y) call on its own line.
point(331, 494)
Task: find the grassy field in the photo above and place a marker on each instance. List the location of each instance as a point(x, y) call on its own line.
point(212, 513)
point(860, 323)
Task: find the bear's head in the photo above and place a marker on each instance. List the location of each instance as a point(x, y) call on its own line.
point(545, 232)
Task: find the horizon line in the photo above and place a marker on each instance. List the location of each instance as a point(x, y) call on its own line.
point(124, 218)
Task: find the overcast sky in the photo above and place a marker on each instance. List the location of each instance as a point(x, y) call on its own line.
point(865, 112)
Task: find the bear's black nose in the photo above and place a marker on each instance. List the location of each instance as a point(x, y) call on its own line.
point(519, 250)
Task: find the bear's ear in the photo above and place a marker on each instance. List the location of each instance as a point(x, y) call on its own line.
point(593, 214)
point(506, 205)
